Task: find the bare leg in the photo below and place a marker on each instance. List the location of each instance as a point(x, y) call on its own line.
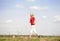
point(36, 34)
point(30, 35)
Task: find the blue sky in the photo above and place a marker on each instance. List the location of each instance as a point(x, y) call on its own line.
point(14, 16)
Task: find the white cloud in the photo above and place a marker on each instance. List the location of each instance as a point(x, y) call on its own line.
point(9, 21)
point(31, 0)
point(34, 7)
point(57, 18)
point(44, 16)
point(19, 6)
point(39, 8)
point(44, 8)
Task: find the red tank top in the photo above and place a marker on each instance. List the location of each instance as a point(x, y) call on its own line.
point(32, 20)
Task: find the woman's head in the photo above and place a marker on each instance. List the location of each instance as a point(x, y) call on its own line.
point(31, 14)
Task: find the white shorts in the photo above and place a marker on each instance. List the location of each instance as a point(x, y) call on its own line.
point(33, 29)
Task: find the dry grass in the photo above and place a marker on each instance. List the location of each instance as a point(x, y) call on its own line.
point(42, 38)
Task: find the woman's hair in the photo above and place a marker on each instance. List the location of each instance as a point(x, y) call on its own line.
point(31, 14)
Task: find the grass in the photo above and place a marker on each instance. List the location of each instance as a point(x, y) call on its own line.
point(42, 38)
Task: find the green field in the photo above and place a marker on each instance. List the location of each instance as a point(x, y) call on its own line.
point(42, 38)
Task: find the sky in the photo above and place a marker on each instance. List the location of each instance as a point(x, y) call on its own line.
point(14, 16)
